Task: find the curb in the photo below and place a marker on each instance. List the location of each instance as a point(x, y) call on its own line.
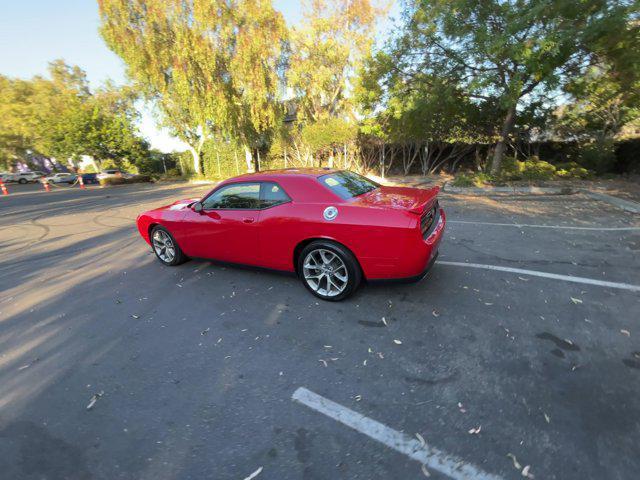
point(626, 205)
point(512, 190)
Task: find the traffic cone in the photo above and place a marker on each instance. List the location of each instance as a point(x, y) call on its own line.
point(81, 182)
point(46, 186)
point(4, 189)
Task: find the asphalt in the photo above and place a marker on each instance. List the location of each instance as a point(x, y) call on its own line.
point(193, 367)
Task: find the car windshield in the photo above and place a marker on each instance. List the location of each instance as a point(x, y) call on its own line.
point(347, 184)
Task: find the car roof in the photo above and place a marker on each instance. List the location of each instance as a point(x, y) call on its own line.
point(285, 172)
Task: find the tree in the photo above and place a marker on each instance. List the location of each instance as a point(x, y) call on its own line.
point(503, 53)
point(60, 117)
point(326, 53)
point(209, 65)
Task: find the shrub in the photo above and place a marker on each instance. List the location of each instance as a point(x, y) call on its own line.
point(536, 169)
point(124, 180)
point(463, 180)
point(598, 156)
point(474, 180)
point(511, 168)
point(573, 172)
point(113, 181)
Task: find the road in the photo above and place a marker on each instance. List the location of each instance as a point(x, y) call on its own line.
point(192, 369)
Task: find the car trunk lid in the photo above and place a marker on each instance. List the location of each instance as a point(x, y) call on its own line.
point(414, 200)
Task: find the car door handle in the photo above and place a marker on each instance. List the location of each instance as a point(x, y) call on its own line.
point(248, 219)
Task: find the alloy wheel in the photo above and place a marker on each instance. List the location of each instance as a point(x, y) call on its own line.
point(325, 272)
point(163, 246)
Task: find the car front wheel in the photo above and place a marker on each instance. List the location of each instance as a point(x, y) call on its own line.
point(22, 181)
point(166, 248)
point(329, 270)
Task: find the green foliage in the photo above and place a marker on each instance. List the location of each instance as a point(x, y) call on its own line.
point(572, 170)
point(124, 180)
point(61, 117)
point(535, 169)
point(210, 66)
point(493, 56)
point(329, 133)
point(512, 168)
point(463, 180)
point(598, 156)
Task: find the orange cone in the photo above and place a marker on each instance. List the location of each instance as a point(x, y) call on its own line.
point(81, 182)
point(46, 186)
point(4, 189)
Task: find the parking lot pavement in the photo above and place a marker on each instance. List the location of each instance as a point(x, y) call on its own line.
point(191, 371)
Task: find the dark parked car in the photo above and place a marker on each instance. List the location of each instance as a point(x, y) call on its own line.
point(90, 178)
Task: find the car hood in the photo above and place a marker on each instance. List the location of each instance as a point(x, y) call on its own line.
point(415, 200)
point(179, 205)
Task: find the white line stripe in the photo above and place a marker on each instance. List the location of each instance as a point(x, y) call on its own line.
point(523, 225)
point(555, 276)
point(431, 457)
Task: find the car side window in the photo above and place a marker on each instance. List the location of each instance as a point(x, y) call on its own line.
point(239, 196)
point(272, 194)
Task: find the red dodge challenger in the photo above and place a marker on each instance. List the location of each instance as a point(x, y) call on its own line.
point(333, 228)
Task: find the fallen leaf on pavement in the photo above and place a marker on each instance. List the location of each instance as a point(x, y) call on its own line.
point(94, 399)
point(421, 440)
point(576, 300)
point(205, 331)
point(135, 316)
point(515, 461)
point(525, 472)
point(384, 320)
point(397, 342)
point(425, 472)
point(625, 332)
point(475, 431)
point(435, 313)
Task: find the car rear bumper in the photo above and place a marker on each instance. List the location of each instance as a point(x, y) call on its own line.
point(416, 260)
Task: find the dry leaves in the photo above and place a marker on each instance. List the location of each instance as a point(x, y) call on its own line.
point(94, 399)
point(397, 342)
point(576, 300)
point(425, 472)
point(475, 431)
point(625, 332)
point(421, 440)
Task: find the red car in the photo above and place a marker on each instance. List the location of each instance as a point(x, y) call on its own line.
point(333, 228)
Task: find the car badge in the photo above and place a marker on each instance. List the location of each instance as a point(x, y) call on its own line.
point(330, 213)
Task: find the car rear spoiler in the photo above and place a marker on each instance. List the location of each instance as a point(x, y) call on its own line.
point(425, 201)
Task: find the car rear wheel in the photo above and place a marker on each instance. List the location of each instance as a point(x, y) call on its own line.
point(329, 270)
point(166, 248)
point(22, 181)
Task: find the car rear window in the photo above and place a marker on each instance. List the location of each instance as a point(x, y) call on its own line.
point(347, 184)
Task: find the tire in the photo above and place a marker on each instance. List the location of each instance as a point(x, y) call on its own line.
point(167, 256)
point(322, 266)
point(22, 181)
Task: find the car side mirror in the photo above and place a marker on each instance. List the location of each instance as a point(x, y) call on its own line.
point(197, 207)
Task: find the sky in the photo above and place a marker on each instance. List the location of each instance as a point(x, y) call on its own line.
point(35, 32)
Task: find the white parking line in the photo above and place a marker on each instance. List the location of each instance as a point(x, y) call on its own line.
point(555, 276)
point(566, 227)
point(430, 457)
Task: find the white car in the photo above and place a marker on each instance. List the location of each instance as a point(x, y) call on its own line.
point(113, 172)
point(22, 177)
point(28, 177)
point(61, 178)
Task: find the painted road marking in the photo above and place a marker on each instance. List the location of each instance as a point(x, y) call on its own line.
point(566, 227)
point(555, 276)
point(430, 457)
